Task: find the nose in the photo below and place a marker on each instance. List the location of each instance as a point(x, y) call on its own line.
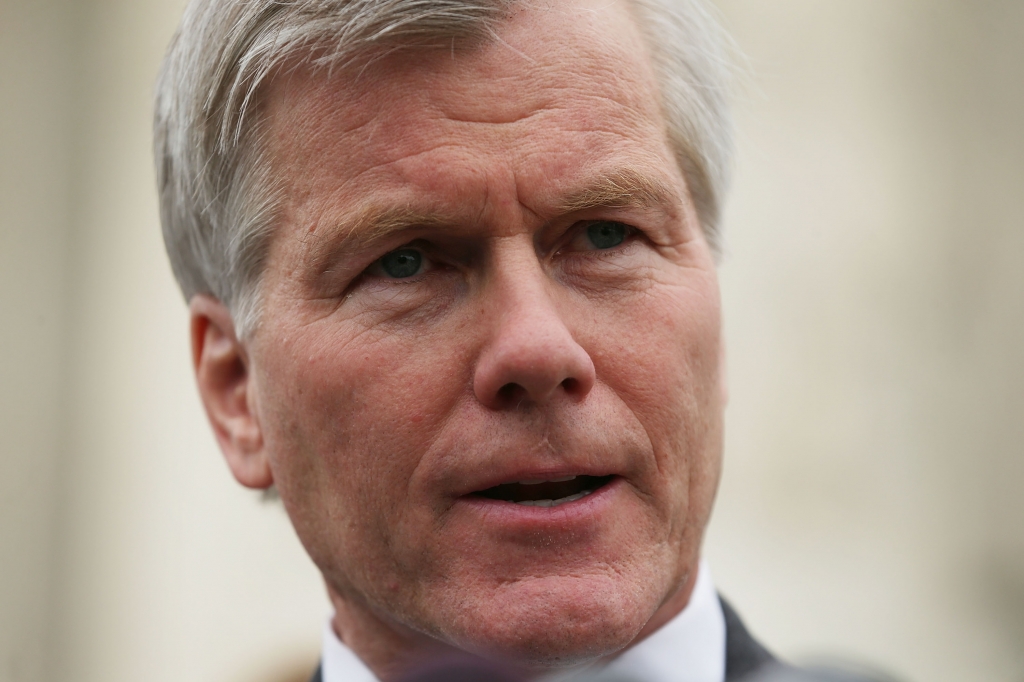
point(532, 355)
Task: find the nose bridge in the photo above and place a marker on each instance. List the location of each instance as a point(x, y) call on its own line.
point(531, 352)
point(520, 286)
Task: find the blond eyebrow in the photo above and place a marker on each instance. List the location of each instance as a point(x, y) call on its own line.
point(365, 227)
point(624, 188)
point(375, 223)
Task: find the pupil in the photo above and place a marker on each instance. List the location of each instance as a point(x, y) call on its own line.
point(605, 234)
point(402, 263)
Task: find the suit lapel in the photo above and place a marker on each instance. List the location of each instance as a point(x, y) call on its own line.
point(743, 654)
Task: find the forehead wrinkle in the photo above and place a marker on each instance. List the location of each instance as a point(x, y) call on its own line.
point(623, 188)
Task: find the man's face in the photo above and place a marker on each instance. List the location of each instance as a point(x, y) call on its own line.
point(489, 273)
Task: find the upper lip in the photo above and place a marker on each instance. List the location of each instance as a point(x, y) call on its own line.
point(473, 462)
point(529, 474)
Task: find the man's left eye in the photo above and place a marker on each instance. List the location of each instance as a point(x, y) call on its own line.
point(599, 235)
point(606, 234)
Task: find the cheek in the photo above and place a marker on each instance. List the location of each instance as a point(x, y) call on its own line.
point(663, 361)
point(663, 355)
point(346, 422)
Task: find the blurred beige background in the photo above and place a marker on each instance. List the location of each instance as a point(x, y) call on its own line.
point(874, 291)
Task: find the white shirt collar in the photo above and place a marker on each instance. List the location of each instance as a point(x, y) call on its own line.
point(689, 648)
point(338, 663)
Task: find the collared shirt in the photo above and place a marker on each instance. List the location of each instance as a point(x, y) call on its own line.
point(689, 648)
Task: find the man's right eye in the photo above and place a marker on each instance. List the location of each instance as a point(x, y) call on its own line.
point(400, 264)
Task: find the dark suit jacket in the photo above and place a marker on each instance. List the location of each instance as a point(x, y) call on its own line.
point(744, 657)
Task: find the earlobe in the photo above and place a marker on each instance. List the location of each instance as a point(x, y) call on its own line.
point(222, 374)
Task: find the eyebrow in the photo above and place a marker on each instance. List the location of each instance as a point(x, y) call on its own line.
point(367, 226)
point(622, 188)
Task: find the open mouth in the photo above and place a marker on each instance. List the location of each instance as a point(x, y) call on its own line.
point(546, 493)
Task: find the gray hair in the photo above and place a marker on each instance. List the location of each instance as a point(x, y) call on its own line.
point(218, 195)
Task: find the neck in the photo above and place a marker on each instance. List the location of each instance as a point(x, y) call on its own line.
point(671, 608)
point(390, 649)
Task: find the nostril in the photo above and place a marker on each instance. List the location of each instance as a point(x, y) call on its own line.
point(571, 385)
point(509, 391)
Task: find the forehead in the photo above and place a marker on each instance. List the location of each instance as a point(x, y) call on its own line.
point(560, 89)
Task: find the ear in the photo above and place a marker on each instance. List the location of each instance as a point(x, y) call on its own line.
point(222, 372)
point(723, 366)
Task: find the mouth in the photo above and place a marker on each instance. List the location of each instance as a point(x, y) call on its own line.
point(545, 493)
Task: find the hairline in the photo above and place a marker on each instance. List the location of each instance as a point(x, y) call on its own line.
point(224, 253)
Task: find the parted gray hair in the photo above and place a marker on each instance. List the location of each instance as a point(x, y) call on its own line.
point(218, 196)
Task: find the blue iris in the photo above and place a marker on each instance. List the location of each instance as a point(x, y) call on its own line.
point(402, 263)
point(606, 234)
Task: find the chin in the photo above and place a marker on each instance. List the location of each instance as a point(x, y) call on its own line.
point(554, 621)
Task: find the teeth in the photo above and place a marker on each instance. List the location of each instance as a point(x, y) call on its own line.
point(555, 503)
point(536, 481)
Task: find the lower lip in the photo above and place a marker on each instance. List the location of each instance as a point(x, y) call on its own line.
point(527, 517)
